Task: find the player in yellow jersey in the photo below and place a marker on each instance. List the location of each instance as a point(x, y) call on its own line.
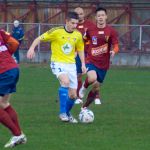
point(65, 42)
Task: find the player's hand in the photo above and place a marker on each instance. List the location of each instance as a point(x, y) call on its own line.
point(84, 69)
point(30, 53)
point(112, 54)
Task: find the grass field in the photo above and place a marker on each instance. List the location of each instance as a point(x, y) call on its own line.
point(122, 122)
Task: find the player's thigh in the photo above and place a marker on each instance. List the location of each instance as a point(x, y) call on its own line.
point(92, 76)
point(73, 79)
point(72, 93)
point(64, 79)
point(4, 101)
point(59, 70)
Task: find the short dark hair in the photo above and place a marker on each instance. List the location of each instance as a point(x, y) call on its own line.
point(101, 9)
point(72, 15)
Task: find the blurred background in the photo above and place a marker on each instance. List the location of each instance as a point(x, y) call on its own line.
point(131, 18)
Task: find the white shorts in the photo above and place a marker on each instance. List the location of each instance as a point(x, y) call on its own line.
point(69, 69)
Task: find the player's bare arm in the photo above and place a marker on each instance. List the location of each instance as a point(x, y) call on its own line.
point(81, 55)
point(115, 50)
point(31, 51)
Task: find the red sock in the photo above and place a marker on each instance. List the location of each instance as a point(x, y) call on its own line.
point(97, 95)
point(13, 115)
point(79, 86)
point(7, 122)
point(86, 83)
point(89, 99)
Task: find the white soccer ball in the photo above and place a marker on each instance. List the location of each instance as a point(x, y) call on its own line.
point(86, 116)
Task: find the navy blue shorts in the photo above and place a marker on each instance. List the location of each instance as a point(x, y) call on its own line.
point(8, 81)
point(100, 72)
point(78, 65)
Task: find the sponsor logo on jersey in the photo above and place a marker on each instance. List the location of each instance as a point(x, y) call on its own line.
point(67, 48)
point(99, 50)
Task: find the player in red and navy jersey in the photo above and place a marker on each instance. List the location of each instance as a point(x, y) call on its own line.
point(83, 26)
point(103, 45)
point(9, 75)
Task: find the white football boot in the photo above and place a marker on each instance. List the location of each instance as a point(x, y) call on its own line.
point(78, 101)
point(97, 101)
point(16, 140)
point(72, 119)
point(82, 91)
point(63, 117)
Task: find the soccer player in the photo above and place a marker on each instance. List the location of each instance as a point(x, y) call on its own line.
point(18, 34)
point(102, 38)
point(9, 75)
point(65, 42)
point(83, 26)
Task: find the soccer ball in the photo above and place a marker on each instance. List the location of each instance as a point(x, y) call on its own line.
point(86, 116)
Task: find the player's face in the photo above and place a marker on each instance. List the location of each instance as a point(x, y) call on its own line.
point(80, 13)
point(71, 24)
point(101, 17)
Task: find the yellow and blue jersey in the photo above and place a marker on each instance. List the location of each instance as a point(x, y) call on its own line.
point(63, 44)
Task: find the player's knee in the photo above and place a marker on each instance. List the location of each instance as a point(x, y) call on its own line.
point(3, 104)
point(72, 96)
point(96, 85)
point(65, 83)
point(91, 79)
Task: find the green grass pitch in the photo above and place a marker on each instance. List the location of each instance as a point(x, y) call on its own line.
point(122, 122)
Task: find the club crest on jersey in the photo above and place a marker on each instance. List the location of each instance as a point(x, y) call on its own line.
point(94, 40)
point(67, 48)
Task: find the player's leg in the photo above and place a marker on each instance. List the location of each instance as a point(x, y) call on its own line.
point(11, 122)
point(91, 96)
point(100, 78)
point(63, 95)
point(79, 78)
point(5, 119)
point(72, 93)
point(97, 99)
point(11, 111)
point(8, 116)
point(58, 69)
point(70, 103)
point(90, 79)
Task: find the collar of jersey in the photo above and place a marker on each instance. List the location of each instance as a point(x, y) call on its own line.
point(67, 31)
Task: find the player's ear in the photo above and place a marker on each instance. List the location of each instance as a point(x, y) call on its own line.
point(95, 17)
point(67, 21)
point(106, 16)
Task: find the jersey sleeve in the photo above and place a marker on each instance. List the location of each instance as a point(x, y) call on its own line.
point(80, 43)
point(11, 43)
point(48, 36)
point(5, 35)
point(114, 37)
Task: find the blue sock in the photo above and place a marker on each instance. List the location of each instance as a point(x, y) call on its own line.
point(63, 96)
point(69, 105)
